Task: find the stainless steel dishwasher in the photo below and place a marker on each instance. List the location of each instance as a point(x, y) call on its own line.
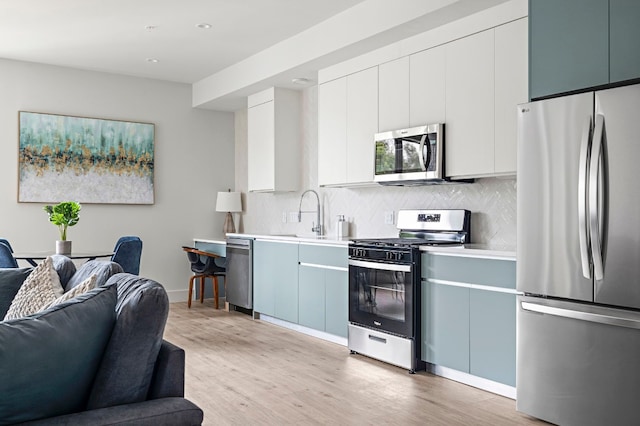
point(239, 276)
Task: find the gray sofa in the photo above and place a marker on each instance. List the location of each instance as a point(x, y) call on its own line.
point(97, 359)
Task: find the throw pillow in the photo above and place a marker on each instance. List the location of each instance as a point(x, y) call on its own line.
point(48, 361)
point(11, 280)
point(41, 287)
point(83, 287)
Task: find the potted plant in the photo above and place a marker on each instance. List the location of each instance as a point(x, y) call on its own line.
point(63, 215)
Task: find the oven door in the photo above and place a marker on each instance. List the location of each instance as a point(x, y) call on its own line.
point(381, 296)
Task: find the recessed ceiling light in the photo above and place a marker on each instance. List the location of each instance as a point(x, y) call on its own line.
point(150, 27)
point(300, 80)
point(204, 26)
point(153, 60)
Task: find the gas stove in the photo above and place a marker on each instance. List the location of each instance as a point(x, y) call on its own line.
point(425, 228)
point(384, 284)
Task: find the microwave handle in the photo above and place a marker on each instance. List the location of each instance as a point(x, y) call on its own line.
point(424, 162)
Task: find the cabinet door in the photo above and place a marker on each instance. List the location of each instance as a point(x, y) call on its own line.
point(285, 276)
point(427, 83)
point(493, 336)
point(261, 148)
point(336, 302)
point(511, 89)
point(445, 334)
point(265, 275)
point(569, 45)
point(362, 125)
point(624, 33)
point(469, 140)
point(311, 297)
point(393, 106)
point(332, 132)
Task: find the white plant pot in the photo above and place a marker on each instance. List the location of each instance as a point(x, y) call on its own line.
point(63, 247)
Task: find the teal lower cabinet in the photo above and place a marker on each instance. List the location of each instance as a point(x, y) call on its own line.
point(445, 334)
point(469, 316)
point(324, 288)
point(492, 336)
point(311, 297)
point(336, 302)
point(275, 279)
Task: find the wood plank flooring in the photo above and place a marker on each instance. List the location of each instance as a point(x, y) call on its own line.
point(246, 372)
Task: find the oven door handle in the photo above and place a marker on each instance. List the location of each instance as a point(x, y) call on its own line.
point(380, 266)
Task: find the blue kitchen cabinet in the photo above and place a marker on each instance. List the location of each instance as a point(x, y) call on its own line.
point(275, 279)
point(323, 288)
point(580, 44)
point(221, 250)
point(336, 302)
point(624, 33)
point(492, 336)
point(469, 315)
point(311, 297)
point(568, 45)
point(445, 334)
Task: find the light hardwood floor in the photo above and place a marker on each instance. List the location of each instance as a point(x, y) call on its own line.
point(246, 372)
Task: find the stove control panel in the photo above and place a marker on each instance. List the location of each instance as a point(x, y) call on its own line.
point(430, 218)
point(389, 255)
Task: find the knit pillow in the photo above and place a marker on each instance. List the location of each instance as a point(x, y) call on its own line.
point(83, 287)
point(41, 287)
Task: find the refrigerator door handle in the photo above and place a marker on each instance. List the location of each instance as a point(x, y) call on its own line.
point(580, 315)
point(583, 229)
point(594, 225)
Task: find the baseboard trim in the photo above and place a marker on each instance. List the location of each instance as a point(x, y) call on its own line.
point(302, 329)
point(183, 295)
point(471, 380)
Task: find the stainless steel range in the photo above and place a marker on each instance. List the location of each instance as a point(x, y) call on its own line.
point(384, 284)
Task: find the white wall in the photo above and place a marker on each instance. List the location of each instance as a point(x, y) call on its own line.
point(491, 201)
point(194, 152)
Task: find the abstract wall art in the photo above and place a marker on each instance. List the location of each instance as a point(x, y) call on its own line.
point(89, 160)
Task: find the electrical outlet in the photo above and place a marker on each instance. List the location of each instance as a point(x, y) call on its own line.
point(293, 217)
point(388, 218)
point(284, 217)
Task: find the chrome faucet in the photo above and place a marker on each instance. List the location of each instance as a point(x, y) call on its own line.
point(317, 227)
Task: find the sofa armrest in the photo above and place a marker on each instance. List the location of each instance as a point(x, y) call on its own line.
point(158, 412)
point(168, 374)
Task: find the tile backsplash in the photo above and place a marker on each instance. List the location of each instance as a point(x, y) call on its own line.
point(491, 201)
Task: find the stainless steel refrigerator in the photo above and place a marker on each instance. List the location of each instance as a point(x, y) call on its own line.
point(578, 258)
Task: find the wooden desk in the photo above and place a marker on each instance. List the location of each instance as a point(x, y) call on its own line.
point(33, 256)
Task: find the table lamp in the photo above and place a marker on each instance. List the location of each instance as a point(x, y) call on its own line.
point(229, 202)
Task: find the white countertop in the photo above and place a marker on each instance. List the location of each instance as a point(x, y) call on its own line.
point(482, 251)
point(324, 240)
point(467, 250)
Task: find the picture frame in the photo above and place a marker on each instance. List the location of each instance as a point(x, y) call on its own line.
point(88, 160)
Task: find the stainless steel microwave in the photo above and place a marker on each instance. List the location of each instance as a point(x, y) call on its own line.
point(412, 156)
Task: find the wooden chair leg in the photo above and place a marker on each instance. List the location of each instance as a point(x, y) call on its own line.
point(202, 288)
point(215, 290)
point(190, 290)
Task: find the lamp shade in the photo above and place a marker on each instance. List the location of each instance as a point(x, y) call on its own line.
point(228, 202)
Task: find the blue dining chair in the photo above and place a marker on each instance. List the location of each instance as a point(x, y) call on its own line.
point(127, 254)
point(6, 257)
point(6, 243)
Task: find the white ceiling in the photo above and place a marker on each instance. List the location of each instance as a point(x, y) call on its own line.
point(114, 36)
point(111, 35)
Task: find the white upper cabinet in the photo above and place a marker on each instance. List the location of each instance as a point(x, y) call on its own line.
point(332, 132)
point(362, 125)
point(470, 97)
point(273, 140)
point(347, 122)
point(427, 82)
point(511, 90)
point(393, 106)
